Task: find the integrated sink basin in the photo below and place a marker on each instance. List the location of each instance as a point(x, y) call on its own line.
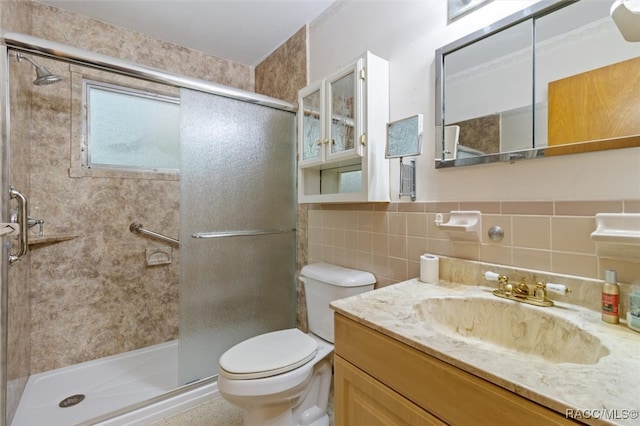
point(512, 326)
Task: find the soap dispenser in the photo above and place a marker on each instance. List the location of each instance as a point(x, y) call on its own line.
point(610, 298)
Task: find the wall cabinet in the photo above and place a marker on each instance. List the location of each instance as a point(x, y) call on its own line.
point(376, 375)
point(342, 135)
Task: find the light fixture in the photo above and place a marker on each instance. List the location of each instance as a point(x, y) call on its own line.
point(626, 16)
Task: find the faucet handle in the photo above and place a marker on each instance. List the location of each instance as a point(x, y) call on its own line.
point(494, 276)
point(540, 292)
point(557, 288)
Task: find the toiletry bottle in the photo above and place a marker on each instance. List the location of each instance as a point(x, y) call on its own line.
point(633, 316)
point(610, 298)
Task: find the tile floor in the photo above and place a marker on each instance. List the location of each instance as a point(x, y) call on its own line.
point(217, 412)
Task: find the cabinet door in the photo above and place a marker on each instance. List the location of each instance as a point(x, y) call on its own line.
point(362, 400)
point(311, 118)
point(344, 110)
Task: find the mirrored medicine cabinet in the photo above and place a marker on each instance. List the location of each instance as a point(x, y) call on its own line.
point(556, 78)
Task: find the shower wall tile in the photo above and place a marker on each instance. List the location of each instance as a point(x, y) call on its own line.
point(281, 75)
point(16, 16)
point(284, 72)
point(93, 295)
point(100, 37)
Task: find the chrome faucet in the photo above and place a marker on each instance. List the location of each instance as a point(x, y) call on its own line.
point(521, 292)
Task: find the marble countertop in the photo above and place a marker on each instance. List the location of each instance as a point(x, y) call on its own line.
point(602, 393)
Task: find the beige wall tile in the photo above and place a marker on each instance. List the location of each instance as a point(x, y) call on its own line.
point(494, 253)
point(587, 208)
point(440, 246)
point(314, 253)
point(380, 244)
point(442, 207)
point(351, 240)
point(314, 235)
point(399, 238)
point(365, 242)
point(364, 261)
point(412, 207)
point(416, 247)
point(573, 234)
point(350, 220)
point(632, 206)
point(532, 259)
point(338, 237)
point(417, 224)
point(398, 246)
point(528, 207)
point(398, 269)
point(397, 223)
point(413, 269)
point(465, 250)
point(627, 272)
point(532, 232)
point(380, 267)
point(574, 264)
point(365, 221)
point(486, 207)
point(315, 217)
point(361, 206)
point(380, 222)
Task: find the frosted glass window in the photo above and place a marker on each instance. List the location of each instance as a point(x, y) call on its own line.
point(132, 129)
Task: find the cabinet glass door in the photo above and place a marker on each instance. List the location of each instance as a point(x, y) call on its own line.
point(311, 128)
point(342, 114)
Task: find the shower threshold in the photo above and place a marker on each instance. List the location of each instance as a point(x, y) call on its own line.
point(75, 394)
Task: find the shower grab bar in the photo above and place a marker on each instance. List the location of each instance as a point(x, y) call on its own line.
point(23, 247)
point(137, 228)
point(246, 233)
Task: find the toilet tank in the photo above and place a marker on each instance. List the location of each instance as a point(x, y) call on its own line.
point(324, 283)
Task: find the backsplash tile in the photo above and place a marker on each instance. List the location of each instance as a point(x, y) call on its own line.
point(544, 235)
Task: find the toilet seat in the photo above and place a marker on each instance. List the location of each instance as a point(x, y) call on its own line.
point(268, 355)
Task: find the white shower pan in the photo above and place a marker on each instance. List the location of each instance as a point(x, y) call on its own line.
point(109, 384)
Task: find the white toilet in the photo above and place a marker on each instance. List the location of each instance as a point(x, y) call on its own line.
point(283, 377)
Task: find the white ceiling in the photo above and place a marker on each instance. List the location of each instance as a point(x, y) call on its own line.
point(244, 31)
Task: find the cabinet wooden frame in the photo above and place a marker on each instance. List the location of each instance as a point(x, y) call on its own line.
point(446, 392)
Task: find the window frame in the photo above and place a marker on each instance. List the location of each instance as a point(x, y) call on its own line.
point(87, 85)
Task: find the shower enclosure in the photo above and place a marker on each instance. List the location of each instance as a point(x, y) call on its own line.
point(89, 294)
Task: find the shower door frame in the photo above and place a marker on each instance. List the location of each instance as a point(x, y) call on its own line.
point(4, 203)
point(29, 44)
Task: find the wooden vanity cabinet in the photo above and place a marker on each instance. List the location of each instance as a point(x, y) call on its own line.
point(381, 381)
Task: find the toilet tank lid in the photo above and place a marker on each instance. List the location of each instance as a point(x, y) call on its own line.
point(337, 275)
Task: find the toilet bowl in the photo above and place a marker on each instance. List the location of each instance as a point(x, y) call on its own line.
point(284, 377)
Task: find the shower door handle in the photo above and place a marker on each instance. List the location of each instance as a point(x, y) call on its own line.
point(23, 226)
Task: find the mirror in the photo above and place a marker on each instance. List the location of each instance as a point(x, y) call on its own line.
point(404, 137)
point(556, 78)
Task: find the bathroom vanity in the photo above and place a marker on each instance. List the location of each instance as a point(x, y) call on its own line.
point(402, 358)
point(380, 389)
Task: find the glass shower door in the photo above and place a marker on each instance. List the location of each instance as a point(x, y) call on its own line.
point(237, 220)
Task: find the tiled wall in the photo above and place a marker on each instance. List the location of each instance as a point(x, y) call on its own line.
point(94, 295)
point(388, 239)
point(16, 15)
point(284, 72)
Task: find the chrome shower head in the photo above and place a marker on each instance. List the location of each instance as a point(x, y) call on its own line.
point(43, 75)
